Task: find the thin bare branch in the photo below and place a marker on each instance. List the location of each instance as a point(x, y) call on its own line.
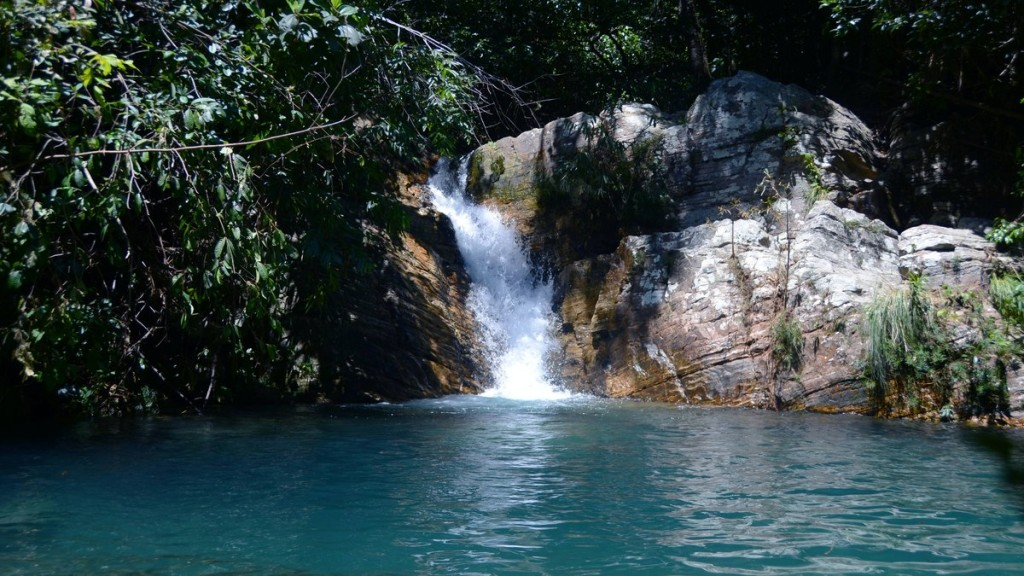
point(492, 83)
point(219, 146)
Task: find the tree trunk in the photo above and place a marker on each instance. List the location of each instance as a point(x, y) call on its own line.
point(690, 22)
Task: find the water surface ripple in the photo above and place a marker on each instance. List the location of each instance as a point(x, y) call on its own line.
point(494, 486)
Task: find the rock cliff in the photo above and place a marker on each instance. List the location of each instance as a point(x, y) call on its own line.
point(782, 233)
point(402, 331)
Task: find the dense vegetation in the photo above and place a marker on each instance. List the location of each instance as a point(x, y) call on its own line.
point(914, 364)
point(952, 59)
point(940, 80)
point(182, 178)
point(606, 189)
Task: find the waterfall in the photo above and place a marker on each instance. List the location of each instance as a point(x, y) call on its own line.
point(511, 306)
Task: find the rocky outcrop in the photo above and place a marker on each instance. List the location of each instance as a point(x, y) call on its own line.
point(949, 256)
point(715, 155)
point(688, 316)
point(402, 331)
point(782, 222)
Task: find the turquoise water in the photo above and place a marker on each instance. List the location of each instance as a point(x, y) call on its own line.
point(492, 486)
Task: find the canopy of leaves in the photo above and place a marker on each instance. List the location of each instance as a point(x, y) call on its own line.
point(927, 60)
point(951, 66)
point(575, 56)
point(180, 175)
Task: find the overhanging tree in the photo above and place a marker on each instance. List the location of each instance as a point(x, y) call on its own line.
point(180, 176)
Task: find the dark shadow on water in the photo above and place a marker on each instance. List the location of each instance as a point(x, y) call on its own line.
point(1007, 446)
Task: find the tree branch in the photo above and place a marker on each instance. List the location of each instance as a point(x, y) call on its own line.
point(492, 82)
point(177, 149)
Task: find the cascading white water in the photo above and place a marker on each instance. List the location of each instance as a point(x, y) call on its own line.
point(510, 305)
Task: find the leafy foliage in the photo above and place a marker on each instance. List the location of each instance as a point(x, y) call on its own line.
point(911, 361)
point(787, 342)
point(902, 331)
point(980, 366)
point(954, 67)
point(968, 48)
point(576, 56)
point(1010, 234)
point(609, 186)
point(1007, 234)
point(180, 176)
point(1007, 291)
point(818, 190)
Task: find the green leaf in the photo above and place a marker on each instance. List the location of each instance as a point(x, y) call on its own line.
point(287, 23)
point(103, 64)
point(192, 120)
point(14, 279)
point(350, 34)
point(27, 117)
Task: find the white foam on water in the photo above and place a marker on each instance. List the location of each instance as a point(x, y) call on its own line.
point(510, 304)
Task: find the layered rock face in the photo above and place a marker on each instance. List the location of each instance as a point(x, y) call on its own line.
point(402, 331)
point(781, 221)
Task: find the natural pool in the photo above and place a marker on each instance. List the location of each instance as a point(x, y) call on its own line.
point(493, 486)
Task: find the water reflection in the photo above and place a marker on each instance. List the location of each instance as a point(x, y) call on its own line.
point(491, 493)
point(491, 486)
point(1007, 446)
point(783, 502)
